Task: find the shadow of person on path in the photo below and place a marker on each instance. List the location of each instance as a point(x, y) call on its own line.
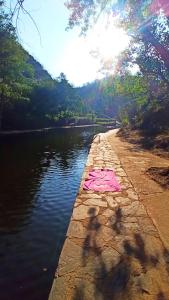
point(90, 246)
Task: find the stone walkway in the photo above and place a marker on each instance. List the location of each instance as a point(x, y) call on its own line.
point(112, 249)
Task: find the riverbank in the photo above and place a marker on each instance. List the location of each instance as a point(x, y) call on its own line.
point(40, 176)
point(113, 248)
point(156, 143)
point(136, 163)
point(11, 132)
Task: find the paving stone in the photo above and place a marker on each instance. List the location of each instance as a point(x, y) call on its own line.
point(130, 220)
point(95, 202)
point(108, 213)
point(82, 212)
point(141, 211)
point(58, 286)
point(131, 210)
point(114, 193)
point(77, 202)
point(111, 202)
point(121, 174)
point(108, 233)
point(88, 164)
point(146, 284)
point(132, 195)
point(93, 196)
point(85, 291)
point(146, 222)
point(111, 258)
point(76, 229)
point(123, 201)
point(128, 227)
point(125, 186)
point(70, 258)
point(109, 166)
point(90, 192)
point(104, 235)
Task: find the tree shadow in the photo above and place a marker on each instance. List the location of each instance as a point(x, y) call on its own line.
point(161, 296)
point(110, 283)
point(138, 251)
point(109, 280)
point(114, 278)
point(79, 293)
point(117, 225)
point(166, 258)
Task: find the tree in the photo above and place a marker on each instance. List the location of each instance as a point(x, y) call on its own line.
point(13, 86)
point(138, 17)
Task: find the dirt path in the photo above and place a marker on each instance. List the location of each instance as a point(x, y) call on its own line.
point(135, 163)
point(113, 250)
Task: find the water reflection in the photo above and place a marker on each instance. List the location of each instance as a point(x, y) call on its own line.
point(39, 178)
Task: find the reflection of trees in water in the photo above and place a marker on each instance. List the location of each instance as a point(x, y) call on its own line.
point(24, 161)
point(21, 174)
point(118, 280)
point(29, 230)
point(69, 142)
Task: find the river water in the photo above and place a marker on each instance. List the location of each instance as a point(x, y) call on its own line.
point(40, 174)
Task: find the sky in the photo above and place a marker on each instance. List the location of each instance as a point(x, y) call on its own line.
point(64, 51)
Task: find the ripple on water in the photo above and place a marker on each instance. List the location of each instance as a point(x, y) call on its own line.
point(40, 176)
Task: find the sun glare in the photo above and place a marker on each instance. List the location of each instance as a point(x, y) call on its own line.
point(85, 56)
point(108, 39)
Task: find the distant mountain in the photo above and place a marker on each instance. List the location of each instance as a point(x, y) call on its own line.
point(39, 72)
point(96, 99)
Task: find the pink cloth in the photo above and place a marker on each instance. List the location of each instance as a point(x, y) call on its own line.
point(103, 180)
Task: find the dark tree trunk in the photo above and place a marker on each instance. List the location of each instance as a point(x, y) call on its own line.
point(1, 109)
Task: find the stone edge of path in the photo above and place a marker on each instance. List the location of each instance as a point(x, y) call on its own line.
point(90, 225)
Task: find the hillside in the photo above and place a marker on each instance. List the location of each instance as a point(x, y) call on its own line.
point(39, 72)
point(95, 97)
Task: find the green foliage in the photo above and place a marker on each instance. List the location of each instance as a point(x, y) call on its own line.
point(100, 98)
point(13, 86)
point(29, 97)
point(147, 23)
